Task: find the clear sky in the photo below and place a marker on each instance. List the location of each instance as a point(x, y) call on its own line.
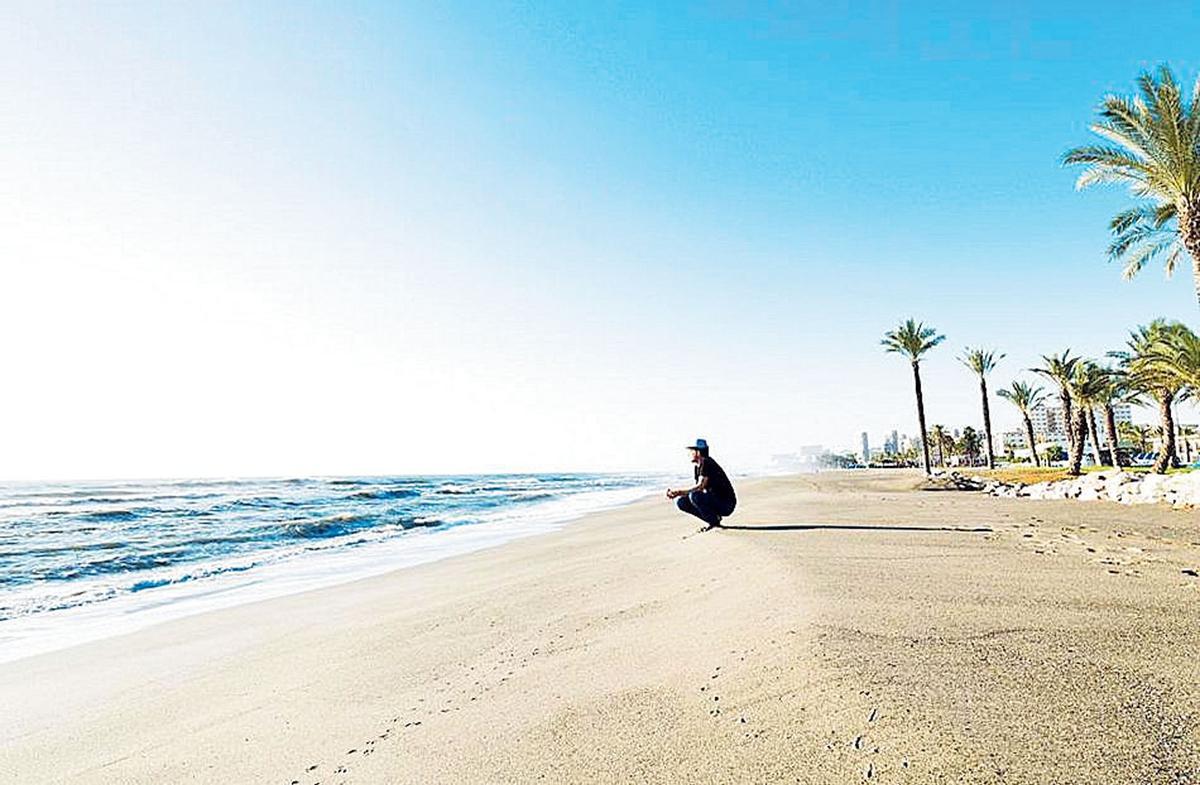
point(342, 238)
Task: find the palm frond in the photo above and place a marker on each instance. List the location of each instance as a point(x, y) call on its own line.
point(1150, 362)
point(980, 361)
point(1141, 234)
point(1151, 143)
point(1059, 368)
point(1136, 259)
point(1023, 395)
point(912, 339)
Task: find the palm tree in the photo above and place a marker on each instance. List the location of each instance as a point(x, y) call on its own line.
point(1025, 397)
point(1061, 370)
point(1091, 390)
point(1150, 366)
point(1078, 429)
point(1115, 391)
point(1177, 356)
point(913, 339)
point(939, 437)
point(969, 445)
point(982, 363)
point(1054, 453)
point(1186, 437)
point(1152, 144)
point(1138, 434)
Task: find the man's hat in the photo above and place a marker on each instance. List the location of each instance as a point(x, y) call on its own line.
point(699, 445)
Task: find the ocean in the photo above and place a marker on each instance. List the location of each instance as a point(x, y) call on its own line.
point(86, 560)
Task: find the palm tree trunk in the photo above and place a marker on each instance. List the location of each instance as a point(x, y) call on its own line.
point(1094, 433)
point(1182, 448)
point(1188, 219)
point(1166, 456)
point(1078, 431)
point(1032, 442)
point(921, 415)
point(987, 424)
point(1068, 420)
point(1110, 420)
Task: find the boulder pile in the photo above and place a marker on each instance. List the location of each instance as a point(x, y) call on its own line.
point(1181, 491)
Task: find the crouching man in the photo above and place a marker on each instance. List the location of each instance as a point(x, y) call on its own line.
point(712, 497)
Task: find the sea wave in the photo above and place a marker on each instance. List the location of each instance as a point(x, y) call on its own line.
point(124, 553)
point(391, 493)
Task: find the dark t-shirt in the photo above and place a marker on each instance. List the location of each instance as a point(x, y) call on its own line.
point(718, 483)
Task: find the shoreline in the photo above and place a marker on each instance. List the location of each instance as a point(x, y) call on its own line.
point(48, 631)
point(849, 627)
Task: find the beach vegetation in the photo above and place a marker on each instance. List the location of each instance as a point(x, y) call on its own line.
point(969, 446)
point(1026, 397)
point(939, 437)
point(1150, 367)
point(1151, 143)
point(982, 362)
point(1138, 435)
point(1060, 369)
point(913, 340)
point(1091, 386)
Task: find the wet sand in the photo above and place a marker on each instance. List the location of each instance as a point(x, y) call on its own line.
point(857, 630)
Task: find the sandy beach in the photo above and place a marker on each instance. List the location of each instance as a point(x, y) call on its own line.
point(856, 630)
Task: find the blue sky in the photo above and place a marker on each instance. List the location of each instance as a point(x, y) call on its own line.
point(339, 238)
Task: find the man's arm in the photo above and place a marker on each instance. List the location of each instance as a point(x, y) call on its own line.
point(700, 486)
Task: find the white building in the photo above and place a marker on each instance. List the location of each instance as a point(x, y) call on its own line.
point(1048, 422)
point(1014, 440)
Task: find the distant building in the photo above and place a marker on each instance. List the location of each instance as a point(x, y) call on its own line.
point(1049, 426)
point(866, 449)
point(891, 445)
point(1048, 422)
point(1014, 440)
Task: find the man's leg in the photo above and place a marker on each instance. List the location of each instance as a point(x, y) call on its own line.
point(701, 505)
point(685, 505)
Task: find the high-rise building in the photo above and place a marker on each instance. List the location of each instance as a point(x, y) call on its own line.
point(891, 445)
point(866, 449)
point(1047, 422)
